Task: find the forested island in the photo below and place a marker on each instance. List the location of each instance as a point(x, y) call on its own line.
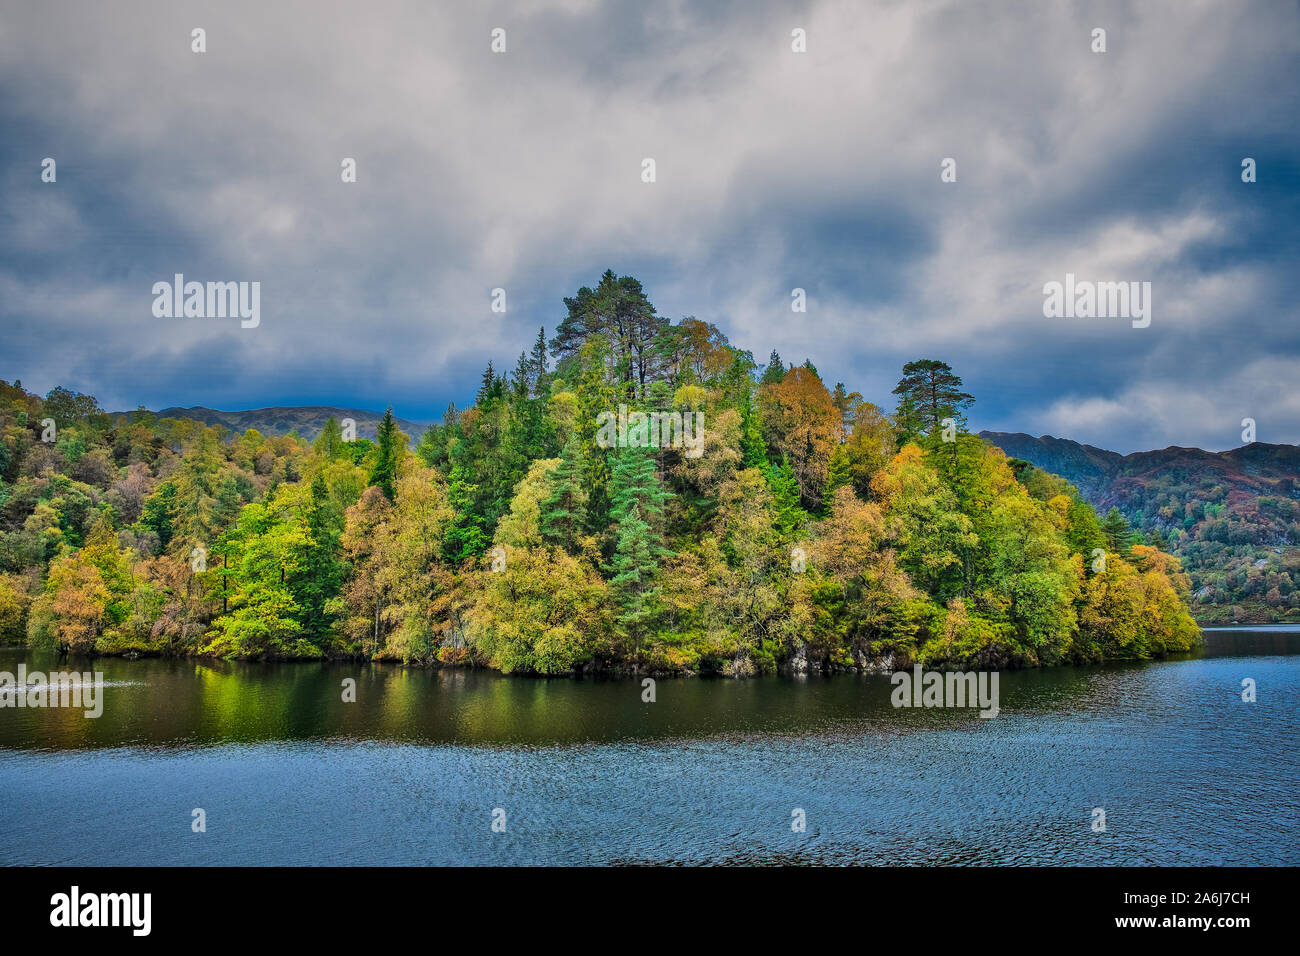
point(810, 531)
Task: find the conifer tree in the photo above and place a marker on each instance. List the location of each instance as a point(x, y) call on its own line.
point(102, 551)
point(467, 536)
point(634, 584)
point(840, 473)
point(637, 507)
point(538, 365)
point(635, 482)
point(775, 371)
point(383, 473)
point(637, 501)
point(1120, 536)
point(785, 494)
point(156, 515)
point(487, 386)
point(563, 512)
point(195, 484)
point(929, 392)
point(320, 573)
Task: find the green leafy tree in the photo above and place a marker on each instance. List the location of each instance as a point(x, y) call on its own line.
point(156, 514)
point(264, 617)
point(195, 489)
point(634, 584)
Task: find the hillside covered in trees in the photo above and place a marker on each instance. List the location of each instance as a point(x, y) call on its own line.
point(1232, 517)
point(813, 531)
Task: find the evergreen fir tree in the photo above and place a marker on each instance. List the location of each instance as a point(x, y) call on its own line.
point(596, 394)
point(491, 389)
point(785, 492)
point(637, 503)
point(775, 371)
point(486, 384)
point(538, 365)
point(383, 473)
point(635, 568)
point(466, 537)
point(564, 511)
point(521, 379)
point(157, 513)
point(321, 573)
point(635, 482)
point(1120, 536)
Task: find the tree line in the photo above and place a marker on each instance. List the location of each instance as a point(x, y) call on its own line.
point(817, 531)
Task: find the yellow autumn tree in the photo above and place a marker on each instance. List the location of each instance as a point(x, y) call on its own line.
point(801, 423)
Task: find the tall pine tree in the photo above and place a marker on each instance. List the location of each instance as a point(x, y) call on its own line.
point(564, 510)
point(785, 493)
point(320, 573)
point(634, 584)
point(928, 393)
point(383, 473)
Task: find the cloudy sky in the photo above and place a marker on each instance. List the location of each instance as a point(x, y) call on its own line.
point(775, 170)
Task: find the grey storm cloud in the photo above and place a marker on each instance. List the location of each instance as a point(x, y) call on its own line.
point(775, 170)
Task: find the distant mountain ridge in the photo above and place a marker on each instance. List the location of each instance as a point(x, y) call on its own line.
point(1108, 478)
point(306, 420)
point(1233, 517)
point(1089, 468)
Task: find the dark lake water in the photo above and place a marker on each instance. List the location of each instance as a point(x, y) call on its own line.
point(586, 772)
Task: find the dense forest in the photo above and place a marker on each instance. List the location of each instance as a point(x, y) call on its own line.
point(815, 531)
point(1232, 518)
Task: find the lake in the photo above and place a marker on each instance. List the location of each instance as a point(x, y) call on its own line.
point(586, 772)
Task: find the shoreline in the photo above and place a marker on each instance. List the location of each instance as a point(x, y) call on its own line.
point(868, 666)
